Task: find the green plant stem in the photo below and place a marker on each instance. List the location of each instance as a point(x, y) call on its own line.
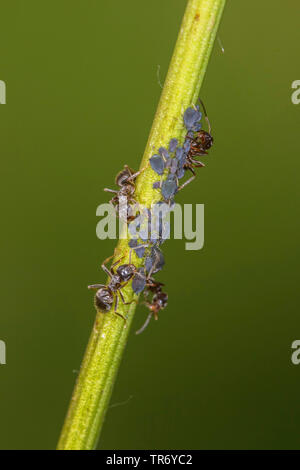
point(99, 368)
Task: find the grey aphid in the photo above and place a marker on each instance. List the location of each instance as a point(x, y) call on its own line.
point(140, 251)
point(148, 264)
point(191, 117)
point(169, 162)
point(180, 153)
point(186, 145)
point(180, 172)
point(163, 152)
point(162, 232)
point(172, 145)
point(156, 185)
point(139, 281)
point(157, 164)
point(133, 243)
point(197, 127)
point(169, 187)
point(174, 166)
point(155, 262)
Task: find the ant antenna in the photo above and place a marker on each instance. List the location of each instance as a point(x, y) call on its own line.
point(206, 117)
point(144, 325)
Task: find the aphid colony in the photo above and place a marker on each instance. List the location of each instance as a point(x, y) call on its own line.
point(172, 162)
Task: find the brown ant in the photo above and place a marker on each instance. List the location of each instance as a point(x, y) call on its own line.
point(125, 179)
point(200, 141)
point(159, 301)
point(106, 295)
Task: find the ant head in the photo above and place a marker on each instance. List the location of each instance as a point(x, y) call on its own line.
point(206, 139)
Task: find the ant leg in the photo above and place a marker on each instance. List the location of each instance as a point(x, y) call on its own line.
point(111, 271)
point(146, 295)
point(137, 173)
point(197, 163)
point(96, 286)
point(117, 313)
point(144, 325)
point(129, 303)
point(144, 245)
point(110, 190)
point(151, 270)
point(122, 296)
point(152, 283)
point(115, 264)
point(123, 300)
point(107, 271)
point(189, 180)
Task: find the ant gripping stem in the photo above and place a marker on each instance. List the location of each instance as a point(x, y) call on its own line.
point(108, 295)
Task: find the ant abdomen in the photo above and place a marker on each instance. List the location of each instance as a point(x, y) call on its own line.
point(104, 299)
point(122, 177)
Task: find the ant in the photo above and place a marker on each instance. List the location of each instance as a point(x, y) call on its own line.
point(125, 179)
point(200, 141)
point(106, 295)
point(159, 301)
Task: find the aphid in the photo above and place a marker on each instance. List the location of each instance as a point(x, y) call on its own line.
point(169, 187)
point(141, 226)
point(159, 301)
point(163, 152)
point(172, 145)
point(192, 118)
point(160, 223)
point(155, 261)
point(125, 179)
point(199, 142)
point(157, 163)
point(107, 295)
point(174, 166)
point(139, 281)
point(139, 249)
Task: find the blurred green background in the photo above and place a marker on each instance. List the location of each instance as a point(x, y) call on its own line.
point(215, 370)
